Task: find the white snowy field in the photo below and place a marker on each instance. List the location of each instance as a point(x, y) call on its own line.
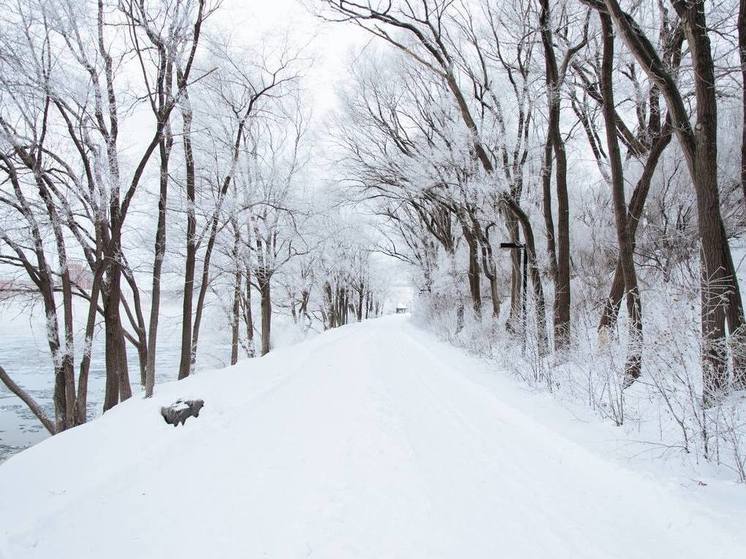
point(372, 440)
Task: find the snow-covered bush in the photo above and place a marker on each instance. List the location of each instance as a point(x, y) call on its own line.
point(664, 408)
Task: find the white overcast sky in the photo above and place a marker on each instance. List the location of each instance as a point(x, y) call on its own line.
point(329, 44)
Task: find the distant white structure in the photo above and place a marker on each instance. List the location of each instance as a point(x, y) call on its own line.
point(400, 297)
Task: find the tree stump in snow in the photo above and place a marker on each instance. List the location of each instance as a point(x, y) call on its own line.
point(180, 410)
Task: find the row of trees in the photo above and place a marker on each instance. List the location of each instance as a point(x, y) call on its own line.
point(138, 144)
point(478, 117)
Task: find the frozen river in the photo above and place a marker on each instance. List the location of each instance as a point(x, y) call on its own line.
point(25, 356)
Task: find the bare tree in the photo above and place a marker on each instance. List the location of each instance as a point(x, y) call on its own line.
point(720, 295)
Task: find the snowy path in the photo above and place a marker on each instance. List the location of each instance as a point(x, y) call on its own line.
point(370, 441)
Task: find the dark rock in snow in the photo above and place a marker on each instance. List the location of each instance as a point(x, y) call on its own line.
point(180, 410)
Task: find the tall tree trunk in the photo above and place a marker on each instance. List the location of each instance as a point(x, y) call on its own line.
point(562, 297)
point(236, 309)
point(266, 305)
point(81, 402)
point(488, 263)
point(739, 370)
point(117, 376)
point(721, 297)
point(516, 278)
point(248, 316)
point(742, 52)
point(65, 376)
point(720, 294)
point(185, 360)
point(360, 297)
point(546, 186)
point(494, 295)
point(634, 307)
point(329, 303)
point(164, 149)
point(473, 274)
point(201, 296)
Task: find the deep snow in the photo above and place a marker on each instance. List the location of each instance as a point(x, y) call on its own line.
point(372, 440)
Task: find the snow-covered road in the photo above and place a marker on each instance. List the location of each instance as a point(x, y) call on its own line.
point(370, 441)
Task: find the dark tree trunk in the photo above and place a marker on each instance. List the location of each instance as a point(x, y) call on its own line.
point(331, 321)
point(185, 361)
point(473, 273)
point(305, 297)
point(360, 298)
point(164, 148)
point(81, 402)
point(742, 52)
point(488, 263)
point(739, 376)
point(634, 306)
point(201, 296)
point(721, 297)
point(236, 309)
point(720, 294)
point(562, 298)
point(248, 316)
point(137, 320)
point(117, 376)
point(546, 186)
point(266, 305)
point(488, 267)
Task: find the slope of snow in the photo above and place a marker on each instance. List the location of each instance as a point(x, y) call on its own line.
point(372, 440)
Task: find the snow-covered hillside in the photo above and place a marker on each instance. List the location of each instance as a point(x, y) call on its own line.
point(371, 440)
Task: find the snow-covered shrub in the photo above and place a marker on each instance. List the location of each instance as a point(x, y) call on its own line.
point(664, 408)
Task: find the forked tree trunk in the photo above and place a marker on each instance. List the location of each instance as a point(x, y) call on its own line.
point(488, 265)
point(634, 213)
point(720, 294)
